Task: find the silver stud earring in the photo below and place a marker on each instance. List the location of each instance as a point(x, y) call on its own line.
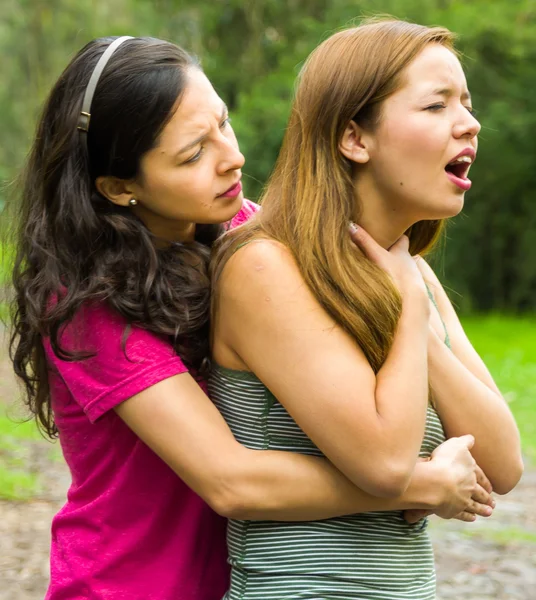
point(133, 202)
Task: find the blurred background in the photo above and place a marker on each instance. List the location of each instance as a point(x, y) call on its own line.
point(252, 51)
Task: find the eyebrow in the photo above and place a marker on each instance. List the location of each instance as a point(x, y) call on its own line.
point(450, 92)
point(201, 138)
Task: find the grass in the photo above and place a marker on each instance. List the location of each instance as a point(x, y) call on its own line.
point(508, 347)
point(16, 481)
point(503, 535)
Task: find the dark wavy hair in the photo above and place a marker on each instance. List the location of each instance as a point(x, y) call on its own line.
point(73, 246)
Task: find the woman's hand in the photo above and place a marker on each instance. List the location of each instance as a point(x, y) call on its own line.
point(466, 492)
point(396, 261)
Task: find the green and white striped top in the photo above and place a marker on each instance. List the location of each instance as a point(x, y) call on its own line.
point(375, 555)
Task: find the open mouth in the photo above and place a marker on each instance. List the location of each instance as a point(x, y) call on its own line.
point(459, 167)
point(457, 170)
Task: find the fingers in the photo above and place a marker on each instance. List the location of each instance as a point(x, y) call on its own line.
point(369, 245)
point(477, 510)
point(481, 510)
point(411, 516)
point(481, 503)
point(421, 264)
point(416, 514)
point(452, 446)
point(401, 244)
point(468, 440)
point(396, 261)
point(483, 496)
point(483, 480)
point(366, 242)
point(465, 516)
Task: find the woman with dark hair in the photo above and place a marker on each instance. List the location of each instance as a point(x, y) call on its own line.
point(348, 341)
point(133, 174)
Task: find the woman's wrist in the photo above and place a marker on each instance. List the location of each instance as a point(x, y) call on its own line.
point(415, 317)
point(416, 300)
point(426, 489)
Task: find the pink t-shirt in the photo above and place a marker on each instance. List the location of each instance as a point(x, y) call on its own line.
point(130, 529)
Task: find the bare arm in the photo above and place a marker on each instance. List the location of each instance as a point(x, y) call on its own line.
point(179, 422)
point(467, 398)
point(370, 427)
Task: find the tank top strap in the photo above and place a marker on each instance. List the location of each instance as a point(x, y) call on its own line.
point(431, 296)
point(241, 245)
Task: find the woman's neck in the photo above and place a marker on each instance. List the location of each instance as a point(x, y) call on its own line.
point(381, 219)
point(166, 230)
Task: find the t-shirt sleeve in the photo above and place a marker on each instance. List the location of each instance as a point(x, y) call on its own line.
point(124, 362)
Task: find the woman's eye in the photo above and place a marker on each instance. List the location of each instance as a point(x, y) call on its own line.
point(472, 110)
point(435, 107)
point(195, 157)
point(225, 122)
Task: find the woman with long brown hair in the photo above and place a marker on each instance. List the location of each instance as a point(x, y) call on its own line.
point(134, 172)
point(327, 347)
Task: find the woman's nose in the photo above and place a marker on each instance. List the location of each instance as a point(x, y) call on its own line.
point(232, 158)
point(469, 126)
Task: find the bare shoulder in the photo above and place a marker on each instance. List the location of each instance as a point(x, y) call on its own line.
point(261, 251)
point(260, 265)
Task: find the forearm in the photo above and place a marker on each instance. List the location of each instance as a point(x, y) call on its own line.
point(294, 487)
point(402, 382)
point(467, 405)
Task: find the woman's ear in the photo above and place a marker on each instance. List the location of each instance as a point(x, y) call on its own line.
point(353, 144)
point(118, 191)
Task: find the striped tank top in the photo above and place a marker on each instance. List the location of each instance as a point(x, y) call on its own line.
point(375, 555)
point(367, 556)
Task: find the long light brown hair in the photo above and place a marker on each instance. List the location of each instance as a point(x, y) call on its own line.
point(310, 200)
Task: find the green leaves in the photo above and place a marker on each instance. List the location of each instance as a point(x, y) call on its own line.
point(252, 51)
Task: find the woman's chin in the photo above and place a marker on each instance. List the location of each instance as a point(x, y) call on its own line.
point(455, 207)
point(446, 209)
point(223, 211)
point(231, 207)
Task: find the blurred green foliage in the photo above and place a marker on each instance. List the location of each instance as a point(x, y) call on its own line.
point(252, 51)
point(508, 347)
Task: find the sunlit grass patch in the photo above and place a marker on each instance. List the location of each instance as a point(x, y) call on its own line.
point(20, 442)
point(16, 483)
point(500, 535)
point(17, 480)
point(508, 347)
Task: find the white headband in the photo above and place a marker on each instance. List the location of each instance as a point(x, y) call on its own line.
point(85, 113)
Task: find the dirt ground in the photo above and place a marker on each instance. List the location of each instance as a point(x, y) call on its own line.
point(492, 559)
